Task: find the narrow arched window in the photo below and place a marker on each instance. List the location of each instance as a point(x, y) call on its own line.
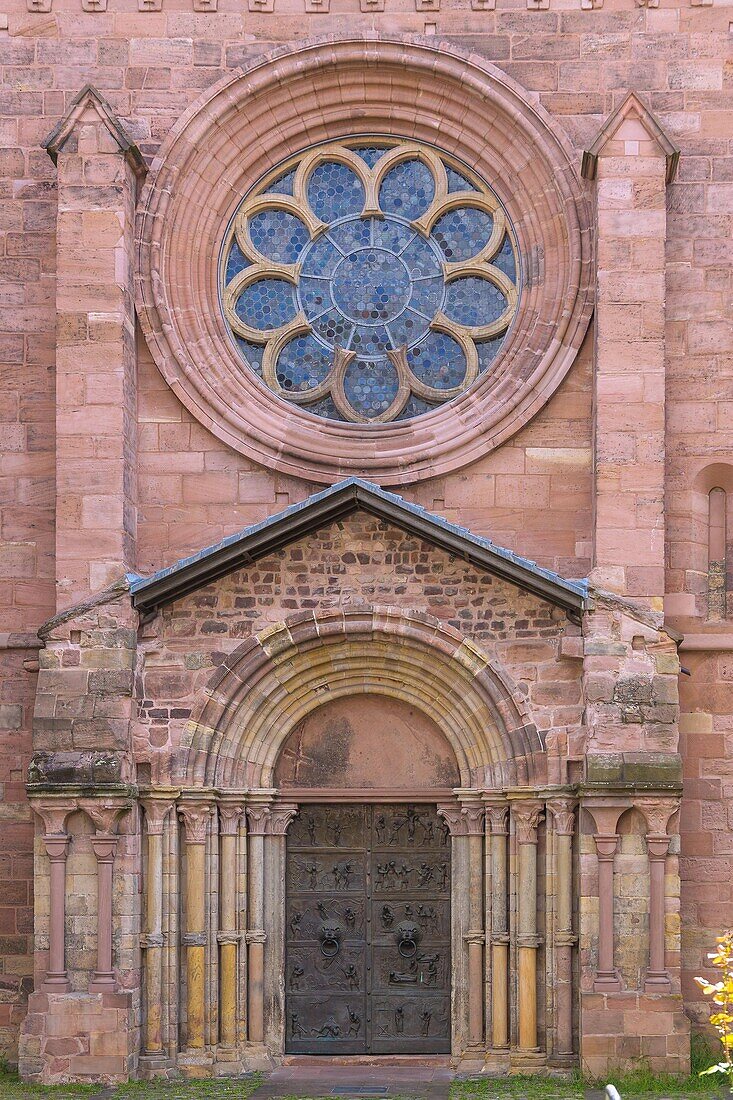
point(717, 553)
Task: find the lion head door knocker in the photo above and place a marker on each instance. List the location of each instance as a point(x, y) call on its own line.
point(408, 936)
point(329, 936)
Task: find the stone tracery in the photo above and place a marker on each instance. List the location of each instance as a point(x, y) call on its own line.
point(369, 282)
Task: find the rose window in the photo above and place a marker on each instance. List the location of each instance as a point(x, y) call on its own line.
point(369, 281)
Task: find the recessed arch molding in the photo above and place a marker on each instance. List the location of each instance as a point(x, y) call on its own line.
point(272, 681)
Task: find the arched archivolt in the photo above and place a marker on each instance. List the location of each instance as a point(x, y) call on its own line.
point(274, 680)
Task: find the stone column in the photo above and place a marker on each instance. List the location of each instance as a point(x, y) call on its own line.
point(98, 167)
point(280, 817)
point(563, 821)
point(228, 937)
point(56, 842)
point(104, 813)
point(195, 816)
point(474, 816)
point(152, 941)
point(606, 816)
point(632, 161)
point(527, 816)
point(498, 832)
point(657, 813)
point(258, 819)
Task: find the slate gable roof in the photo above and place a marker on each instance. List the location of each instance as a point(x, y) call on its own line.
point(336, 502)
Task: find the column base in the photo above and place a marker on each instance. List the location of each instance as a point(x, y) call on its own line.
point(527, 1061)
point(610, 982)
point(657, 983)
point(56, 983)
point(153, 1065)
point(103, 983)
point(496, 1063)
point(196, 1063)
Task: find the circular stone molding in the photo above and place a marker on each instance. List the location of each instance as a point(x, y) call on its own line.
point(324, 91)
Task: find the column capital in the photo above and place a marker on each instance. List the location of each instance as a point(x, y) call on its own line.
point(606, 845)
point(156, 809)
point(258, 818)
point(280, 817)
point(104, 813)
point(657, 847)
point(454, 818)
point(657, 812)
point(104, 846)
point(497, 818)
point(606, 812)
point(527, 816)
point(57, 846)
point(229, 815)
point(195, 817)
point(54, 812)
point(563, 815)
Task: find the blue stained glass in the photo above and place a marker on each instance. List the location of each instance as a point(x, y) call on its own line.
point(334, 191)
point(370, 285)
point(407, 328)
point(415, 406)
point(438, 361)
point(371, 387)
point(462, 233)
point(352, 234)
point(334, 328)
point(321, 258)
point(392, 235)
point(278, 235)
point(324, 408)
point(302, 364)
point(252, 354)
point(315, 296)
point(283, 185)
point(236, 262)
point(504, 259)
point(488, 351)
point(457, 182)
point(369, 342)
point(474, 301)
point(407, 189)
point(370, 154)
point(421, 259)
point(427, 296)
point(266, 304)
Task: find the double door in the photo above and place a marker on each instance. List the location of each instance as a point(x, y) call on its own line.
point(367, 928)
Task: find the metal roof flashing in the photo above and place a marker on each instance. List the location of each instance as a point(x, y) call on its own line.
point(325, 507)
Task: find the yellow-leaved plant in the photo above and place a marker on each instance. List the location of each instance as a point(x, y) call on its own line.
point(721, 993)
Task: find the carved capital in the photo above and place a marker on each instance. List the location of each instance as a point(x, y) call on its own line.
point(105, 812)
point(195, 817)
point(475, 815)
point(229, 815)
point(223, 938)
point(658, 812)
point(57, 846)
point(258, 819)
point(281, 816)
point(527, 816)
point(606, 845)
point(156, 811)
point(54, 813)
point(256, 935)
point(563, 815)
point(657, 847)
point(454, 818)
point(497, 819)
point(104, 846)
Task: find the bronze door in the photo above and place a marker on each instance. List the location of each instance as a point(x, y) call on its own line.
point(367, 929)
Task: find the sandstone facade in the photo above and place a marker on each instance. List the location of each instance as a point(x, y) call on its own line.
point(141, 721)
